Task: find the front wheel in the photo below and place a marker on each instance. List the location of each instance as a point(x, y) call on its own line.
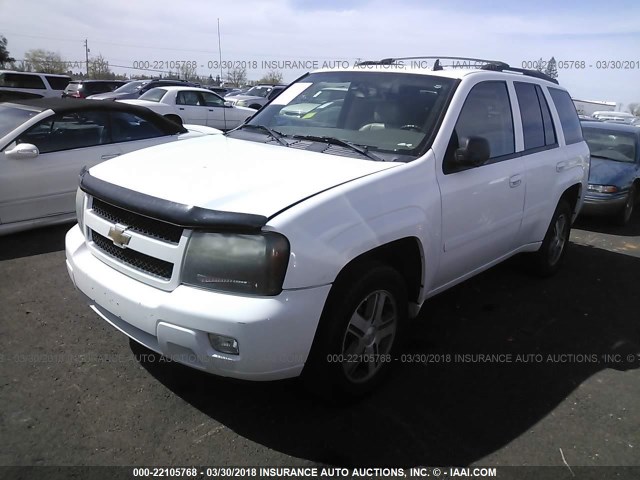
point(549, 258)
point(624, 217)
point(359, 332)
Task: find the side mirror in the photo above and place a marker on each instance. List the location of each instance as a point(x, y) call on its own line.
point(23, 150)
point(228, 104)
point(475, 153)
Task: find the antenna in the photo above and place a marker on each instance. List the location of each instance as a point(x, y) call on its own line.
point(224, 113)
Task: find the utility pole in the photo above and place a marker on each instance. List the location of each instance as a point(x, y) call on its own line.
point(86, 52)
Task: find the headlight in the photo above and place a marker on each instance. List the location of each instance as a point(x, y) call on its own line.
point(253, 264)
point(241, 103)
point(603, 188)
point(80, 198)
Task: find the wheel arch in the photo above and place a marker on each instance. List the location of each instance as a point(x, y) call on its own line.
point(404, 255)
point(572, 195)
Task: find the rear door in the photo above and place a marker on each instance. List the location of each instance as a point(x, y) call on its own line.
point(216, 111)
point(191, 107)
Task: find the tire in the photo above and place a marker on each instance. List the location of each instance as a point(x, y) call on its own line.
point(549, 258)
point(174, 119)
point(354, 347)
point(624, 216)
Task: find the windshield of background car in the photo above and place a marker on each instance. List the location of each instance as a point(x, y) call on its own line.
point(130, 87)
point(383, 111)
point(610, 144)
point(258, 91)
point(153, 95)
point(13, 117)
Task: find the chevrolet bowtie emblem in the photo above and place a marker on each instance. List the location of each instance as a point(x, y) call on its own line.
point(118, 235)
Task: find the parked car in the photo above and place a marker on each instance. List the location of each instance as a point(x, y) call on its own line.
point(301, 246)
point(256, 97)
point(313, 100)
point(193, 105)
point(85, 88)
point(44, 143)
point(614, 117)
point(236, 91)
point(135, 88)
point(25, 85)
point(614, 178)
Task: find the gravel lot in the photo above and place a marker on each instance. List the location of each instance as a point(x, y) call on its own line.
point(72, 391)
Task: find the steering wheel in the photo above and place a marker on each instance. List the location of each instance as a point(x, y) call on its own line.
point(411, 127)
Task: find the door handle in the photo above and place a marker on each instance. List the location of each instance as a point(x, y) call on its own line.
point(112, 155)
point(560, 166)
point(515, 181)
point(180, 108)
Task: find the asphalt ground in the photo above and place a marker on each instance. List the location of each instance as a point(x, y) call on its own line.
point(505, 369)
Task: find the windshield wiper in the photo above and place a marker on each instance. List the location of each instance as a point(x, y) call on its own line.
point(364, 151)
point(272, 133)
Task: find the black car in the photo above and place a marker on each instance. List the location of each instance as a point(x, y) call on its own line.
point(84, 88)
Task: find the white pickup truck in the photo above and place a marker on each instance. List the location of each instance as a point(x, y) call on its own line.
point(301, 245)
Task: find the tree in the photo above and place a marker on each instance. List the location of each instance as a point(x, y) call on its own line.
point(188, 71)
point(273, 77)
point(4, 53)
point(44, 61)
point(634, 108)
point(237, 76)
point(99, 68)
point(552, 68)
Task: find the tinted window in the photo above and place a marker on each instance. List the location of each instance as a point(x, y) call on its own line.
point(549, 131)
point(66, 132)
point(532, 125)
point(57, 83)
point(487, 113)
point(21, 80)
point(568, 116)
point(126, 127)
point(188, 98)
point(211, 100)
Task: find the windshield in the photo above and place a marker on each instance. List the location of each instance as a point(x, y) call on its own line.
point(384, 112)
point(13, 117)
point(131, 87)
point(258, 91)
point(153, 95)
point(611, 145)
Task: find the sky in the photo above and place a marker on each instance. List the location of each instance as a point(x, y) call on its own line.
point(592, 33)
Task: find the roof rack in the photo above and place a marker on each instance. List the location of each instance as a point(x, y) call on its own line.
point(492, 65)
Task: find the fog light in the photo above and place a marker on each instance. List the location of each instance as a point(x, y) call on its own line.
point(224, 344)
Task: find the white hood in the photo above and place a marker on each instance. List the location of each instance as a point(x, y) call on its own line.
point(222, 173)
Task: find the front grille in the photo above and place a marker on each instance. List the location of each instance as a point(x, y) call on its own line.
point(138, 223)
point(137, 260)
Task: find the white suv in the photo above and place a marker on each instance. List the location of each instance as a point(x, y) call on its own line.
point(302, 245)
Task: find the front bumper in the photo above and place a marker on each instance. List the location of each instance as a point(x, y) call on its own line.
point(274, 333)
point(603, 203)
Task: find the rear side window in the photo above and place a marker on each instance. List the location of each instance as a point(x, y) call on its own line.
point(57, 83)
point(532, 124)
point(568, 116)
point(127, 127)
point(21, 80)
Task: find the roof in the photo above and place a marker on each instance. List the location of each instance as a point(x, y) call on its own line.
point(66, 105)
point(36, 73)
point(174, 88)
point(459, 68)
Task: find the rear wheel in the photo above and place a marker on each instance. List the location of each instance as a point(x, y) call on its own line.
point(548, 259)
point(359, 332)
point(624, 216)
